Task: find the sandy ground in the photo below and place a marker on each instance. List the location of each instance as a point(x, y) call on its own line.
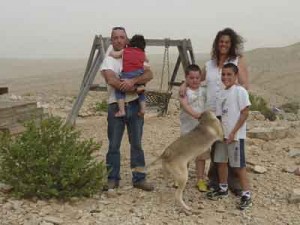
point(55, 85)
point(271, 190)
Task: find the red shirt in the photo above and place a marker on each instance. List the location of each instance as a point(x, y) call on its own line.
point(133, 59)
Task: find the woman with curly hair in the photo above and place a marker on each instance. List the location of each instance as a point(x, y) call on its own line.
point(227, 48)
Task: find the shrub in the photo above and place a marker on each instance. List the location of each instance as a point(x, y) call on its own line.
point(101, 106)
point(260, 104)
point(291, 107)
point(48, 160)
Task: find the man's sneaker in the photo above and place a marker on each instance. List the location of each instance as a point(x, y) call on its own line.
point(217, 194)
point(202, 186)
point(245, 203)
point(111, 184)
point(144, 185)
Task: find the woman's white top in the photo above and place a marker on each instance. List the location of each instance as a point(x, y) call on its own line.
point(214, 83)
point(196, 99)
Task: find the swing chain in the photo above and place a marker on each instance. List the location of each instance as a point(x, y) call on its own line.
point(166, 63)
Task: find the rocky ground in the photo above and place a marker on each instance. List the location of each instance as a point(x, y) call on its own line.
point(273, 153)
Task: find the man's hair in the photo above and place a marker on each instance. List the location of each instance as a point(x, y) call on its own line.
point(118, 28)
point(232, 66)
point(138, 41)
point(192, 67)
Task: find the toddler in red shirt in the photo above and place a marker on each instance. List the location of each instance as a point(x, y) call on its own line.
point(133, 57)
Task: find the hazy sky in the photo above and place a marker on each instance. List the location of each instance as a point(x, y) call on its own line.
point(66, 28)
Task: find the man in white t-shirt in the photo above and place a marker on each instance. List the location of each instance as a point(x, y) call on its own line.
point(233, 109)
point(110, 69)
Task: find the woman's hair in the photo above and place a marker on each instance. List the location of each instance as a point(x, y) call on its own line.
point(235, 48)
point(138, 41)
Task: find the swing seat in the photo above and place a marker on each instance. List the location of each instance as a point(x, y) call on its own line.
point(158, 99)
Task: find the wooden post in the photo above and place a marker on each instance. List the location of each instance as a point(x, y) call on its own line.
point(175, 71)
point(85, 88)
point(191, 52)
point(3, 90)
point(97, 54)
point(90, 60)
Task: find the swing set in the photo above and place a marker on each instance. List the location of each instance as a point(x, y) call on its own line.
point(154, 98)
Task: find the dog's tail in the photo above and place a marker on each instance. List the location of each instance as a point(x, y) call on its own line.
point(152, 166)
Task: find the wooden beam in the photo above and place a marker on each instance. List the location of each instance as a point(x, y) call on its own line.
point(97, 54)
point(90, 60)
point(175, 83)
point(3, 90)
point(98, 87)
point(191, 52)
point(83, 92)
point(175, 71)
point(153, 42)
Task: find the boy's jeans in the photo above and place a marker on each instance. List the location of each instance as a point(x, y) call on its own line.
point(116, 127)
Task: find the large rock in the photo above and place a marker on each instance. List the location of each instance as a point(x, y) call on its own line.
point(256, 115)
point(294, 196)
point(268, 133)
point(290, 117)
point(259, 169)
point(294, 152)
point(53, 220)
point(5, 188)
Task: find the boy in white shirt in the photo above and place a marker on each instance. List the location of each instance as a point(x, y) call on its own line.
point(233, 109)
point(193, 104)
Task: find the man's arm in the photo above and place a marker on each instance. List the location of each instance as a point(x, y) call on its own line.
point(111, 79)
point(128, 85)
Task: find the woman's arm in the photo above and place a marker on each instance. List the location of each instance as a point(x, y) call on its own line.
point(243, 73)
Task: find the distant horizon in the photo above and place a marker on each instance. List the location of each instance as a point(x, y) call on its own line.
point(153, 53)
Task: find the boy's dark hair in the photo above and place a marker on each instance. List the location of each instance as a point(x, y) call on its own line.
point(192, 67)
point(138, 41)
point(232, 66)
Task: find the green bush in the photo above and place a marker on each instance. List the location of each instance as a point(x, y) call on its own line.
point(260, 104)
point(291, 107)
point(101, 106)
point(49, 160)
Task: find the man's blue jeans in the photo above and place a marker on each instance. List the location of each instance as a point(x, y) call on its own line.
point(116, 127)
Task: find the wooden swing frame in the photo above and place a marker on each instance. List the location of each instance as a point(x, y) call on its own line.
point(97, 54)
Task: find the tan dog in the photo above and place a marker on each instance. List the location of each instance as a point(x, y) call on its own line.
point(177, 155)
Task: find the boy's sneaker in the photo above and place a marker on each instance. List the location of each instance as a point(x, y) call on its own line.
point(245, 203)
point(217, 194)
point(202, 186)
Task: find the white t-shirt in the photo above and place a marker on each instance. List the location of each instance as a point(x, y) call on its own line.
point(232, 102)
point(110, 63)
point(196, 99)
point(214, 83)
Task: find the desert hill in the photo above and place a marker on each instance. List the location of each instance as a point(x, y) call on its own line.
point(274, 73)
